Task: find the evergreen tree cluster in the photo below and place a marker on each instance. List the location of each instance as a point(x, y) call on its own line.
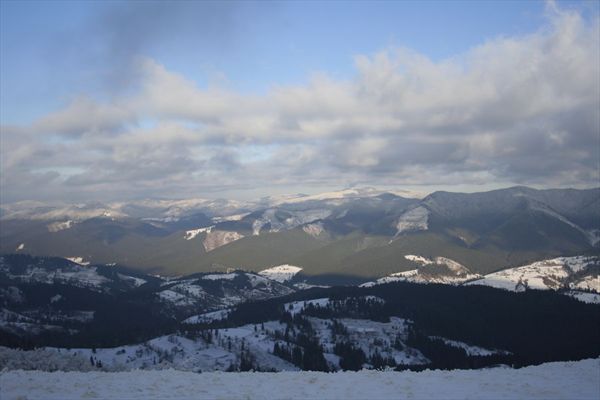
point(351, 358)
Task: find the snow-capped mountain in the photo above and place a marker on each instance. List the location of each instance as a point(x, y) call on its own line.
point(360, 234)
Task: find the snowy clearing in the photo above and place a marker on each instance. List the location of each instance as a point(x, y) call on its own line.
point(440, 270)
point(60, 226)
point(78, 260)
point(215, 239)
point(280, 273)
point(559, 380)
point(549, 274)
point(585, 297)
point(189, 235)
point(216, 277)
point(313, 230)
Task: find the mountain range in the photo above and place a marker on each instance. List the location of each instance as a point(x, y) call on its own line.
point(350, 236)
point(70, 316)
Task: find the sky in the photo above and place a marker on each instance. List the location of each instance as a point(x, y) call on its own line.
point(115, 100)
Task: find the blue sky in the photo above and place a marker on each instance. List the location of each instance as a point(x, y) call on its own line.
point(75, 73)
point(52, 50)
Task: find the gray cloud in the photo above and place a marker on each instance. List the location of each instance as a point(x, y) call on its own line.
point(513, 110)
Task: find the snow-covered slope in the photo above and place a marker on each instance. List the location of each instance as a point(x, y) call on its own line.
point(279, 221)
point(436, 270)
point(164, 210)
point(413, 220)
point(216, 291)
point(578, 275)
point(216, 239)
point(579, 272)
point(314, 230)
point(69, 272)
point(189, 235)
point(218, 349)
point(344, 194)
point(280, 273)
point(557, 380)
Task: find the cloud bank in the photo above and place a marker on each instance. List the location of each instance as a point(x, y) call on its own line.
point(514, 110)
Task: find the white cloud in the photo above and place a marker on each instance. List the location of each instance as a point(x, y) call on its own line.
point(512, 110)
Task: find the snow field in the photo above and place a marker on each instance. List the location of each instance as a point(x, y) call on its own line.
point(280, 273)
point(559, 380)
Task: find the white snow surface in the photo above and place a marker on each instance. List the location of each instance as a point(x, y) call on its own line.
point(448, 271)
point(589, 282)
point(413, 220)
point(586, 297)
point(78, 260)
point(59, 226)
point(590, 235)
point(550, 274)
point(470, 350)
point(297, 306)
point(216, 239)
point(418, 259)
point(218, 277)
point(297, 218)
point(557, 380)
point(335, 195)
point(189, 235)
point(313, 230)
point(235, 217)
point(136, 282)
point(280, 273)
point(77, 275)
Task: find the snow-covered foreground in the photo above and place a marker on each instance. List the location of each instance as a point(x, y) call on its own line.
point(559, 380)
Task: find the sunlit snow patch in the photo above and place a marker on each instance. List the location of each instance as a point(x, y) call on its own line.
point(59, 226)
point(436, 270)
point(586, 297)
point(280, 273)
point(296, 218)
point(418, 259)
point(413, 220)
point(236, 217)
point(297, 306)
point(217, 277)
point(547, 274)
point(78, 260)
point(313, 230)
point(189, 235)
point(216, 239)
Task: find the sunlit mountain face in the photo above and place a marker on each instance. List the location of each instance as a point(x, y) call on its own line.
point(333, 237)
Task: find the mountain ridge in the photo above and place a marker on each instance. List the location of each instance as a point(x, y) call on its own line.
point(364, 233)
